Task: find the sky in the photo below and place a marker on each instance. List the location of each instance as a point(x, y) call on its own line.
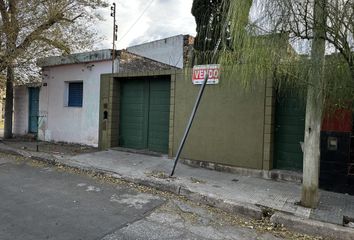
point(142, 21)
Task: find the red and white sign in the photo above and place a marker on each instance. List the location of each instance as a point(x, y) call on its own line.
point(200, 71)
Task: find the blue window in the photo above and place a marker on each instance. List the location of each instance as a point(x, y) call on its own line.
point(75, 94)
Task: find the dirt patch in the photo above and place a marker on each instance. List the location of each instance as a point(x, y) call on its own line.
point(49, 147)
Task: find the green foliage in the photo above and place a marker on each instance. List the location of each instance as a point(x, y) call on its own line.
point(257, 54)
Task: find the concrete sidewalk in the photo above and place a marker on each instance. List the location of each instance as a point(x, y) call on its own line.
point(250, 196)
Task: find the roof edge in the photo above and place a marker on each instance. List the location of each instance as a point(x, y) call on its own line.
point(84, 57)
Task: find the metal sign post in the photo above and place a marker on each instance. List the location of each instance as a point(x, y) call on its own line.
point(37, 137)
point(201, 91)
point(196, 105)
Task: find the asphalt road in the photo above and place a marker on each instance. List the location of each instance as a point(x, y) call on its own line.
point(44, 202)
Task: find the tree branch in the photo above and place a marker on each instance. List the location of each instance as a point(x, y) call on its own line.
point(56, 44)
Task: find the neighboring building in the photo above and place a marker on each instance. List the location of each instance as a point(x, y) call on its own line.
point(172, 51)
point(65, 108)
point(337, 142)
point(26, 108)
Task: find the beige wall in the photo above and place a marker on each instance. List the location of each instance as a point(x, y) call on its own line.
point(229, 125)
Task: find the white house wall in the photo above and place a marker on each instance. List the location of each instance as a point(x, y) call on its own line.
point(21, 104)
point(61, 123)
point(168, 51)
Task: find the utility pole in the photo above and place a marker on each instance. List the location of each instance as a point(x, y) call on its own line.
point(115, 34)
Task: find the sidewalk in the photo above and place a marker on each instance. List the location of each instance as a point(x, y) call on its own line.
point(249, 196)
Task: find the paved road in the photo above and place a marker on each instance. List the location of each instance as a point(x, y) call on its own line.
point(43, 202)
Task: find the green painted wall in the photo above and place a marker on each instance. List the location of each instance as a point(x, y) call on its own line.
point(233, 126)
point(229, 125)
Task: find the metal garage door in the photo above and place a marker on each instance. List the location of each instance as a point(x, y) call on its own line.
point(145, 114)
point(289, 131)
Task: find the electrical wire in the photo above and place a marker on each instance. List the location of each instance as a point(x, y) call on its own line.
point(136, 21)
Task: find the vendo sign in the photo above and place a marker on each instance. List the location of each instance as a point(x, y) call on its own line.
point(200, 71)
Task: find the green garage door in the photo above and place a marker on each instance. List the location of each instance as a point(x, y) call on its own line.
point(145, 114)
point(289, 132)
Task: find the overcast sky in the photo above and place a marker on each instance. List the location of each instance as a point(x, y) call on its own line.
point(141, 21)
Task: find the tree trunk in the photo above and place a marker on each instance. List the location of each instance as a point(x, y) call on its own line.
point(9, 102)
point(314, 111)
point(313, 122)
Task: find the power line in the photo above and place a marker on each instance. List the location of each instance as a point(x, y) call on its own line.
point(136, 21)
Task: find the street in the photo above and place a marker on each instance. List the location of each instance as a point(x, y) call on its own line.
point(39, 201)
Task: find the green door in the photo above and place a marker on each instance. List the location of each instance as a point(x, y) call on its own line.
point(144, 114)
point(159, 115)
point(133, 114)
point(33, 110)
point(289, 132)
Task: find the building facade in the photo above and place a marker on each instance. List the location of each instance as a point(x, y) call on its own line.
point(65, 108)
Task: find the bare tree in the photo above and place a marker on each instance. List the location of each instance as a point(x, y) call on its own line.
point(31, 28)
point(297, 17)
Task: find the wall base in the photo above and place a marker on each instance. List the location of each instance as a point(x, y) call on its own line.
point(275, 174)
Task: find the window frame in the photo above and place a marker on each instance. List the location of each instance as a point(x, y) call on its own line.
point(67, 94)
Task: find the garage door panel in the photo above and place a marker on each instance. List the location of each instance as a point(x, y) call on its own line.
point(133, 117)
point(145, 113)
point(159, 115)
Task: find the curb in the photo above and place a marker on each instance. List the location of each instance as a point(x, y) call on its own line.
point(244, 209)
point(313, 227)
point(301, 225)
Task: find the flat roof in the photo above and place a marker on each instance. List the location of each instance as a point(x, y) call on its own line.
point(85, 57)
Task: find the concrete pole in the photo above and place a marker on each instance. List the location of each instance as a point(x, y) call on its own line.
point(115, 29)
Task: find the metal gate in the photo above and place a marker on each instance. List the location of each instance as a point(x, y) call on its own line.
point(145, 113)
point(289, 131)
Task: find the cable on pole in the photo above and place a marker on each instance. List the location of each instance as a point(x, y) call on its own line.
point(115, 34)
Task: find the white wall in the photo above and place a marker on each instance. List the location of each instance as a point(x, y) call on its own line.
point(71, 124)
point(21, 105)
point(169, 50)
